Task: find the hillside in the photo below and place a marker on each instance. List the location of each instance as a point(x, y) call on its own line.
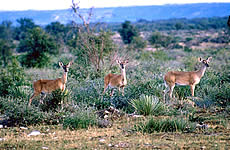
point(120, 14)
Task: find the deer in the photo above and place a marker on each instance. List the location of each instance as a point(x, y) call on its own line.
point(191, 78)
point(116, 80)
point(47, 86)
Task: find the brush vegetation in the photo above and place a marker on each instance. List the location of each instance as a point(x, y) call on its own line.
point(70, 119)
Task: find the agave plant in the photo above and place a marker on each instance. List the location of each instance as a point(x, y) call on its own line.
point(148, 105)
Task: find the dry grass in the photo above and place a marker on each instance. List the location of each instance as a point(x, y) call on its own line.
point(119, 136)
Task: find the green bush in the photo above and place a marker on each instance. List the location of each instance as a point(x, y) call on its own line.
point(161, 55)
point(38, 45)
point(160, 40)
point(11, 79)
point(55, 100)
point(165, 125)
point(148, 105)
point(214, 88)
point(89, 92)
point(19, 114)
point(138, 43)
point(187, 49)
point(82, 118)
point(146, 56)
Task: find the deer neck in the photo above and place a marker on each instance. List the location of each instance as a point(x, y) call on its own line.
point(123, 73)
point(64, 77)
point(201, 71)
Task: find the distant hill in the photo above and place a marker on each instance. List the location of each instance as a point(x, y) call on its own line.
point(120, 14)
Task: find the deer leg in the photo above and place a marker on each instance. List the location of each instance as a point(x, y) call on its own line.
point(171, 87)
point(111, 94)
point(42, 97)
point(34, 95)
point(119, 90)
point(192, 87)
point(123, 91)
point(166, 91)
point(105, 88)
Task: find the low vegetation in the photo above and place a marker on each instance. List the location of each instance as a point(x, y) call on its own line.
point(82, 117)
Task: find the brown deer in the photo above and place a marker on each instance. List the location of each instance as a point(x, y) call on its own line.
point(47, 86)
point(116, 80)
point(191, 78)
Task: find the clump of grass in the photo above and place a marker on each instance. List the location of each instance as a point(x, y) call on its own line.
point(148, 105)
point(165, 125)
point(82, 118)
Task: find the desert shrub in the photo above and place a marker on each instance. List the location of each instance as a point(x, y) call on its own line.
point(149, 87)
point(11, 79)
point(82, 118)
point(190, 63)
point(19, 114)
point(148, 105)
point(145, 56)
point(55, 100)
point(176, 46)
point(180, 92)
point(222, 97)
point(134, 91)
point(161, 55)
point(214, 87)
point(138, 43)
point(100, 104)
point(187, 49)
point(89, 92)
point(188, 39)
point(118, 101)
point(165, 125)
point(160, 40)
point(81, 72)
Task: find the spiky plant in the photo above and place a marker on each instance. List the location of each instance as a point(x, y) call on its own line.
point(148, 105)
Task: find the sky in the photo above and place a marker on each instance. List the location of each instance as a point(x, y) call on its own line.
point(65, 4)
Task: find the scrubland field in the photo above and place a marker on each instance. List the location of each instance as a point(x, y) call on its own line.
point(82, 117)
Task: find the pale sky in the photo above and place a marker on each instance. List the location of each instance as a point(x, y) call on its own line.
point(65, 4)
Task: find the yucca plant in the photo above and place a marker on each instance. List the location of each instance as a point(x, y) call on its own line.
point(165, 125)
point(148, 105)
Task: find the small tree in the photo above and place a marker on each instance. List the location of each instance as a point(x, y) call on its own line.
point(128, 32)
point(138, 43)
point(90, 45)
point(6, 42)
point(57, 30)
point(6, 51)
point(25, 24)
point(159, 40)
point(38, 44)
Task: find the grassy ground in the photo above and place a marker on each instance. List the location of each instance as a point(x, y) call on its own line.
point(120, 135)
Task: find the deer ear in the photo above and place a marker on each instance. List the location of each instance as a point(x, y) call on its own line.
point(118, 61)
point(70, 63)
point(199, 59)
point(209, 59)
point(60, 64)
point(127, 61)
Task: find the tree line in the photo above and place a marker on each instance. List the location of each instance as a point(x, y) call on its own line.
point(36, 44)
